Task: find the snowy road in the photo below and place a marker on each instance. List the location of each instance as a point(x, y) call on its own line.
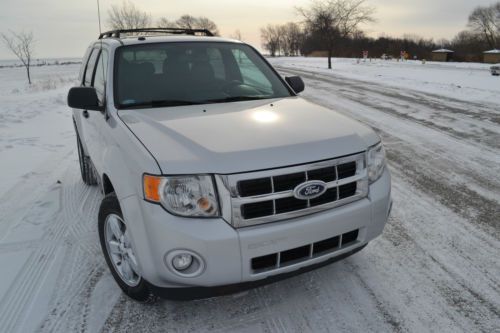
point(436, 267)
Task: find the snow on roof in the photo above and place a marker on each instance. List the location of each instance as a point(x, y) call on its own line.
point(492, 51)
point(443, 51)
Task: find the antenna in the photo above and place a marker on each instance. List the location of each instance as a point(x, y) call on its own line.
point(99, 16)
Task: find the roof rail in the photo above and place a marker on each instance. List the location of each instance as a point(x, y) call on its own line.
point(175, 31)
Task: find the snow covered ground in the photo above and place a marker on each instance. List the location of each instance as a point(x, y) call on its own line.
point(465, 81)
point(436, 267)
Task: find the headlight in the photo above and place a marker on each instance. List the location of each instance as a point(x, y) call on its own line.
point(192, 196)
point(375, 158)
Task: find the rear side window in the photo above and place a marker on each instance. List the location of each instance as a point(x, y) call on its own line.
point(87, 80)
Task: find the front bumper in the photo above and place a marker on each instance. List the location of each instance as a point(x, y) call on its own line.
point(227, 252)
point(192, 293)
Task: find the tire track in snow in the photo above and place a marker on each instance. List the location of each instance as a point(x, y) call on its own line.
point(17, 299)
point(65, 228)
point(84, 264)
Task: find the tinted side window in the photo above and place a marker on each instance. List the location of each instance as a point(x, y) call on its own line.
point(87, 80)
point(83, 67)
point(100, 75)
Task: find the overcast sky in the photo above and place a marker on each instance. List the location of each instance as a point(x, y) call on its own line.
point(64, 28)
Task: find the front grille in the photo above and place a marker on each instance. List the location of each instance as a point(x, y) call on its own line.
point(303, 253)
point(290, 204)
point(267, 196)
point(252, 187)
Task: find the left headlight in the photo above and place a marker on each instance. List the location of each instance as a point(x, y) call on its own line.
point(375, 158)
point(191, 196)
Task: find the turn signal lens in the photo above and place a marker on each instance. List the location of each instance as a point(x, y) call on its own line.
point(152, 186)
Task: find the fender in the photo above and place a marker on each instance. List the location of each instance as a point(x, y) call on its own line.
point(124, 170)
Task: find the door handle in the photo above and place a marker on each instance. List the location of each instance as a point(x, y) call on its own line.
point(85, 113)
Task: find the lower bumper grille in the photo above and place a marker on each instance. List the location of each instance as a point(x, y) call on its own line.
point(289, 257)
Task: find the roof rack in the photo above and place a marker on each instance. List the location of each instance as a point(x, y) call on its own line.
point(174, 31)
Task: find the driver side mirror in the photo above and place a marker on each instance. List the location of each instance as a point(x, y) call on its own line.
point(84, 98)
point(296, 83)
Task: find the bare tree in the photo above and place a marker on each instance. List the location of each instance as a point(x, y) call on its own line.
point(237, 35)
point(128, 16)
point(22, 45)
point(192, 22)
point(485, 21)
point(335, 19)
point(291, 39)
point(271, 39)
point(205, 23)
point(186, 22)
point(163, 22)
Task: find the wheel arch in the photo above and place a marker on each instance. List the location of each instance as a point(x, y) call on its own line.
point(107, 185)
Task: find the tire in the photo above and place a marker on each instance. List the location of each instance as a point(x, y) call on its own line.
point(135, 287)
point(86, 167)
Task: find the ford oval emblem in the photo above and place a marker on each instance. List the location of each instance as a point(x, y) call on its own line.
point(310, 190)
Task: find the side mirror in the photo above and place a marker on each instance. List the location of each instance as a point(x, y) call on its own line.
point(84, 98)
point(296, 83)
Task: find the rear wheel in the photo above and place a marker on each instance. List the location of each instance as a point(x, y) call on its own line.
point(117, 249)
point(86, 168)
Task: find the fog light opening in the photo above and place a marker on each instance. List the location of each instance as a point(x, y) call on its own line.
point(184, 263)
point(181, 262)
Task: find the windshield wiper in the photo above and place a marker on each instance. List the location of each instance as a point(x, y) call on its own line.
point(158, 103)
point(237, 99)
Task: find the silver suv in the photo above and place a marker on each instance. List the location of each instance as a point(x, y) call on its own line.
point(217, 177)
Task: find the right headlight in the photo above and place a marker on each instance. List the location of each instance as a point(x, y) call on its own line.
point(375, 158)
point(190, 196)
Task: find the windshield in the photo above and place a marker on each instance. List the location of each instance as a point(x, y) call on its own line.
point(187, 73)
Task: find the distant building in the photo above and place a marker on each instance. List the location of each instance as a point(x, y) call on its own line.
point(492, 56)
point(442, 55)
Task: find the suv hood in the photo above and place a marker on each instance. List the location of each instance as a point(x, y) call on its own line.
point(245, 136)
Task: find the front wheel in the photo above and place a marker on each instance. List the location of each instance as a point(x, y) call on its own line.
point(117, 249)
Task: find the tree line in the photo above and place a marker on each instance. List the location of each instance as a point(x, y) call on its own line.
point(333, 28)
point(128, 16)
point(330, 26)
